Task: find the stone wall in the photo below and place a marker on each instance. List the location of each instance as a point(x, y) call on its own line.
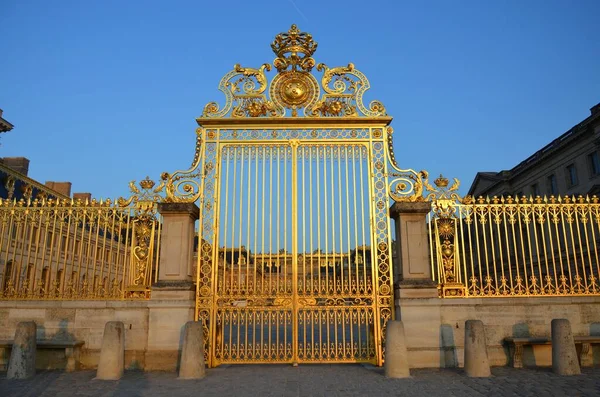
point(435, 327)
point(85, 320)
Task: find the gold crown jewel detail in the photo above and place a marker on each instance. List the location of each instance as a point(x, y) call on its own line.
point(294, 49)
point(441, 181)
point(147, 183)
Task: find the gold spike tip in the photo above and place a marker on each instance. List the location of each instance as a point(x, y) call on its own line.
point(441, 181)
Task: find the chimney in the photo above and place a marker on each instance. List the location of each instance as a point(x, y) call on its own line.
point(63, 188)
point(595, 109)
point(82, 196)
point(19, 164)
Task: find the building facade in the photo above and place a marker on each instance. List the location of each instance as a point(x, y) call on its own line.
point(569, 165)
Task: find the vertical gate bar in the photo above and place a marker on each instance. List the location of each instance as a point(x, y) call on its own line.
point(593, 229)
point(220, 153)
point(557, 234)
point(514, 242)
point(278, 247)
point(22, 238)
point(271, 149)
point(241, 199)
point(254, 290)
point(59, 252)
point(277, 228)
point(341, 233)
point(6, 241)
point(247, 254)
point(66, 253)
point(588, 217)
point(303, 217)
point(262, 223)
point(295, 322)
point(80, 253)
point(239, 259)
point(234, 200)
point(363, 220)
point(580, 242)
point(544, 244)
point(95, 260)
point(326, 229)
point(545, 211)
point(366, 292)
point(492, 245)
point(501, 219)
point(355, 226)
point(318, 184)
point(374, 260)
point(333, 226)
point(348, 248)
point(311, 149)
point(227, 151)
point(21, 288)
point(567, 245)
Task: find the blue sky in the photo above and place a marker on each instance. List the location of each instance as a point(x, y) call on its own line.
point(103, 92)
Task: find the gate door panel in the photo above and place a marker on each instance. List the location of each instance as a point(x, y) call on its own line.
point(254, 266)
point(335, 280)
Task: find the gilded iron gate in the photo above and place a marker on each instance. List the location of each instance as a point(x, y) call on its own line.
point(294, 244)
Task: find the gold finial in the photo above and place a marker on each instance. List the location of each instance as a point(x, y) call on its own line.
point(441, 181)
point(294, 49)
point(147, 183)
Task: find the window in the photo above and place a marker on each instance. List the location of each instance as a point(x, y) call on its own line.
point(552, 187)
point(535, 190)
point(594, 162)
point(572, 175)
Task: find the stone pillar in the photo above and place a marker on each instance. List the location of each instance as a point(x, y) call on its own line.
point(412, 270)
point(112, 352)
point(416, 296)
point(177, 243)
point(192, 353)
point(21, 364)
point(476, 357)
point(396, 356)
point(564, 353)
point(172, 301)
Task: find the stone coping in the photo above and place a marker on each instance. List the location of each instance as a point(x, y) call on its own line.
point(506, 302)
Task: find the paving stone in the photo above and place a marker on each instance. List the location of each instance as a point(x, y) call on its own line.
point(307, 380)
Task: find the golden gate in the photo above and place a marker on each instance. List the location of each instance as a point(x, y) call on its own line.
point(295, 251)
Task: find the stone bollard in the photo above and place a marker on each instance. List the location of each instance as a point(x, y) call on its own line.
point(112, 352)
point(476, 357)
point(21, 364)
point(192, 353)
point(564, 353)
point(396, 356)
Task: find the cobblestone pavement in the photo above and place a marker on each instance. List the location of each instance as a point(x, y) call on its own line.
point(308, 380)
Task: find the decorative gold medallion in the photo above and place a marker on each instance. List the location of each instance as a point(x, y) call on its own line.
point(294, 90)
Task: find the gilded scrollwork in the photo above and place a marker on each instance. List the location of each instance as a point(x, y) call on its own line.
point(344, 88)
point(294, 87)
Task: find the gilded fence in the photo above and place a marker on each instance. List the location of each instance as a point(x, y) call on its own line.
point(71, 249)
point(514, 247)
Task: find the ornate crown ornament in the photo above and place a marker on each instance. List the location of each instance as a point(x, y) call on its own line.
point(294, 91)
point(294, 49)
point(441, 182)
